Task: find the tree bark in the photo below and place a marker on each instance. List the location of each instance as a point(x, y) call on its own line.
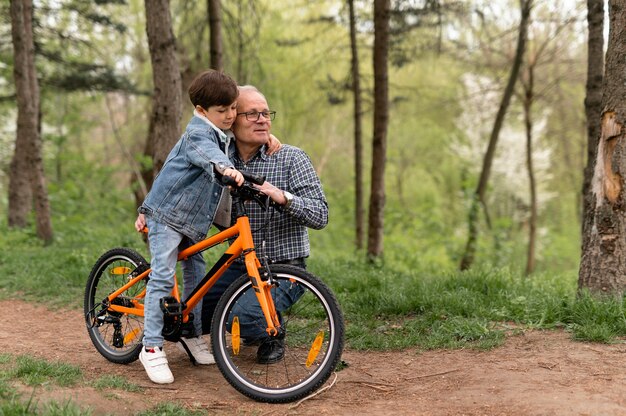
point(381, 119)
point(593, 106)
point(27, 170)
point(358, 134)
point(603, 262)
point(214, 11)
point(164, 127)
point(479, 194)
point(20, 195)
point(532, 221)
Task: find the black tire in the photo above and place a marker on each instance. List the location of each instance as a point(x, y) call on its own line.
point(116, 336)
point(314, 315)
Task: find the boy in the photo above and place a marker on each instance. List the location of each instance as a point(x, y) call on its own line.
point(180, 208)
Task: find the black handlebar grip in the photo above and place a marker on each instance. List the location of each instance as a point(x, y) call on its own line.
point(228, 181)
point(256, 179)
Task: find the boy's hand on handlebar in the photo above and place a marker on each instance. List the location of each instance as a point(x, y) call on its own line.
point(235, 174)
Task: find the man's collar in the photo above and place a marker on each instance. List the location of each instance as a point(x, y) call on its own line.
point(261, 152)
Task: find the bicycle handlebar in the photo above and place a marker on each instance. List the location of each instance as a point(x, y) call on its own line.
point(256, 179)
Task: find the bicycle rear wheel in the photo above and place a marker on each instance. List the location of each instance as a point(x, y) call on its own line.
point(313, 337)
point(117, 336)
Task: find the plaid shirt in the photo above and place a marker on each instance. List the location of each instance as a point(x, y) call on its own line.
point(290, 169)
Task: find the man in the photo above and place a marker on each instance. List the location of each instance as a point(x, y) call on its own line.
point(291, 182)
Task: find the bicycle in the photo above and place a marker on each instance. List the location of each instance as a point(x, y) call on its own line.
point(311, 328)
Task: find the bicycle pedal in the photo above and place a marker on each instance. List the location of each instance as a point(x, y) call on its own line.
point(171, 306)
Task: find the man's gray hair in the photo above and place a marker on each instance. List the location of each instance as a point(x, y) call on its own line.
point(252, 88)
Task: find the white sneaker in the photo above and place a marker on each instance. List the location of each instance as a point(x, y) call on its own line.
point(198, 349)
point(155, 363)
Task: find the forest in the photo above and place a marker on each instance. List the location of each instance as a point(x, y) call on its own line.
point(471, 152)
point(448, 66)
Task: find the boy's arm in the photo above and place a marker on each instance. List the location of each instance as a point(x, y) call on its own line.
point(204, 151)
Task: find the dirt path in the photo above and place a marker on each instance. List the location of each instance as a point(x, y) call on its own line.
point(537, 373)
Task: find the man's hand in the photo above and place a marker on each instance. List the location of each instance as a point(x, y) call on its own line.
point(273, 192)
point(273, 145)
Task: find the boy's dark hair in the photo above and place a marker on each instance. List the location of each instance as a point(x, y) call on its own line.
point(211, 88)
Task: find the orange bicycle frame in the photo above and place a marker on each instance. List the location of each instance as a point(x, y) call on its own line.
point(243, 244)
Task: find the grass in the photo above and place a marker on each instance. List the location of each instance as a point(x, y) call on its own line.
point(35, 372)
point(385, 307)
point(171, 409)
point(38, 373)
point(393, 305)
point(115, 382)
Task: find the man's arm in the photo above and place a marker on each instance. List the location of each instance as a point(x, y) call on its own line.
point(308, 205)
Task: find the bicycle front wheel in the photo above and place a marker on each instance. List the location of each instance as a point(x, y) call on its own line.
point(312, 341)
point(117, 336)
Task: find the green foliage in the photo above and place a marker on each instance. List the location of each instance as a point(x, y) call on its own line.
point(90, 215)
point(414, 296)
point(305, 58)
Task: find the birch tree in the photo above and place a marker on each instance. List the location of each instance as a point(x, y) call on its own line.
point(478, 198)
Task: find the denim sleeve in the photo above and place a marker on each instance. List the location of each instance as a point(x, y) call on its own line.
point(203, 150)
point(309, 205)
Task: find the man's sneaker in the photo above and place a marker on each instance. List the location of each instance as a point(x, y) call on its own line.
point(197, 349)
point(155, 363)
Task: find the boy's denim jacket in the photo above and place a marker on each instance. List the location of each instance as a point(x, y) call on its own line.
point(185, 194)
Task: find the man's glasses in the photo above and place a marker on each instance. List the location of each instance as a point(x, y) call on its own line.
point(255, 115)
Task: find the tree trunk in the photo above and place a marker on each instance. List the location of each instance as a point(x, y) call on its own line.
point(593, 103)
point(20, 195)
point(164, 127)
point(603, 262)
point(27, 164)
point(532, 221)
point(479, 194)
point(358, 145)
point(381, 118)
point(214, 10)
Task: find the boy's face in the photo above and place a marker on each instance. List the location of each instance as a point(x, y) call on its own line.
point(223, 116)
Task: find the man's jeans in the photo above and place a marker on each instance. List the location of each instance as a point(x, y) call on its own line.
point(165, 244)
point(251, 319)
